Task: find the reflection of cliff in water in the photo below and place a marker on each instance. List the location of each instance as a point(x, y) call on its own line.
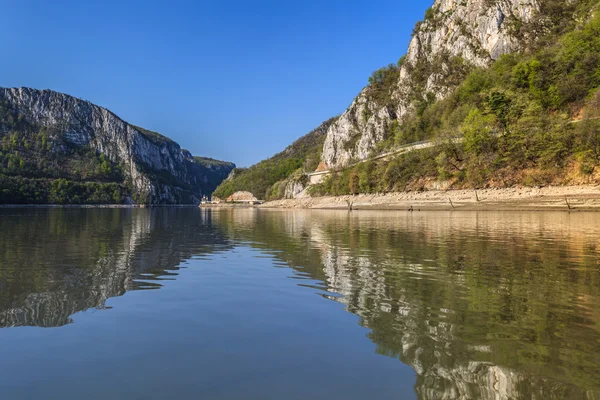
point(57, 262)
point(490, 306)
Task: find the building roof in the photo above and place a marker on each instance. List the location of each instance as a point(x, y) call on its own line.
point(322, 167)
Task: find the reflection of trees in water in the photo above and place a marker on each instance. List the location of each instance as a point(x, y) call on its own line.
point(57, 262)
point(480, 305)
point(490, 306)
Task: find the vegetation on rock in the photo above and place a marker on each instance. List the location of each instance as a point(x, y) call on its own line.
point(528, 119)
point(42, 163)
point(264, 179)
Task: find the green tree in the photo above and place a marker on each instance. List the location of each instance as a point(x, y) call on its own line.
point(477, 129)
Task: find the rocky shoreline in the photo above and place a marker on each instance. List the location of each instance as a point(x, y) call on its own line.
point(228, 205)
point(563, 198)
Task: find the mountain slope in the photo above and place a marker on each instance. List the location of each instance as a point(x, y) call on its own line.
point(56, 148)
point(525, 118)
point(454, 38)
point(269, 178)
point(416, 98)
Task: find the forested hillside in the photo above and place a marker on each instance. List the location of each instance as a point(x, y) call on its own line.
point(530, 118)
point(58, 149)
point(506, 90)
point(268, 178)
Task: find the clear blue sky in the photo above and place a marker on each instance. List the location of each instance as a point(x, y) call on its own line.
point(237, 80)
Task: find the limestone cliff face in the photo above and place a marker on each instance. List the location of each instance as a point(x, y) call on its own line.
point(476, 31)
point(142, 154)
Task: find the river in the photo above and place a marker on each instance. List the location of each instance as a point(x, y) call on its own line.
point(268, 304)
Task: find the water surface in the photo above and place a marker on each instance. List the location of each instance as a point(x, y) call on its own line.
point(255, 304)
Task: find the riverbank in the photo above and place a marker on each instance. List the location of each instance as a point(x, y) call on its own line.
point(228, 205)
point(563, 198)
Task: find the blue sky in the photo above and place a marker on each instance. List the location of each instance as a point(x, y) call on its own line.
point(235, 80)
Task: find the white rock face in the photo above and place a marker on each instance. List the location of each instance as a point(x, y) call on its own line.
point(470, 29)
point(294, 190)
point(85, 124)
point(459, 28)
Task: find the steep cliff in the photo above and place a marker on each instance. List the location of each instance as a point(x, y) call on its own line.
point(506, 94)
point(455, 37)
point(48, 136)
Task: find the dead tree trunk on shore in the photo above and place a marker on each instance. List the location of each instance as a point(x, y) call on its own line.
point(568, 205)
point(350, 203)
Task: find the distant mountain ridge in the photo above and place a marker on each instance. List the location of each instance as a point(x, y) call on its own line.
point(59, 149)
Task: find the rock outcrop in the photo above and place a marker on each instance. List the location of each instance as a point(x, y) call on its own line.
point(160, 171)
point(295, 189)
point(472, 33)
point(245, 197)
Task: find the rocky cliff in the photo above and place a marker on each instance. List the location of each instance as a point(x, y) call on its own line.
point(156, 169)
point(455, 37)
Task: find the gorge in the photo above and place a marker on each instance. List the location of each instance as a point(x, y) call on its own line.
point(56, 148)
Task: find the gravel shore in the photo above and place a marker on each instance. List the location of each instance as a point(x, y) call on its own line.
point(563, 198)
